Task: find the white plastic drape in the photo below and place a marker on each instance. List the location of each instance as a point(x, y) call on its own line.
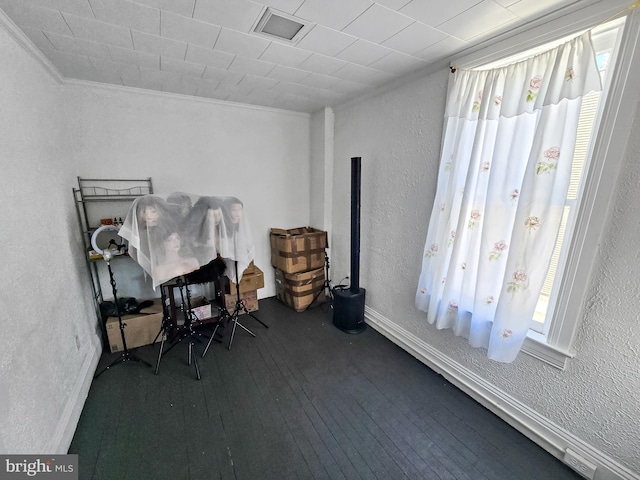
point(504, 173)
point(173, 235)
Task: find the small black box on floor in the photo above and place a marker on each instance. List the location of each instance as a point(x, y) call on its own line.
point(348, 310)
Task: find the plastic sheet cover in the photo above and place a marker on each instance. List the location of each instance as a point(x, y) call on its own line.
point(172, 235)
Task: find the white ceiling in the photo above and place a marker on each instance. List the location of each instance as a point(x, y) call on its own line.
point(207, 48)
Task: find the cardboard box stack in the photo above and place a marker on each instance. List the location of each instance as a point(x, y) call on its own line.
point(298, 256)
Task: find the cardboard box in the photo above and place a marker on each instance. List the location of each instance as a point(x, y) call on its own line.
point(252, 279)
point(155, 308)
point(249, 298)
point(298, 249)
point(139, 330)
point(298, 290)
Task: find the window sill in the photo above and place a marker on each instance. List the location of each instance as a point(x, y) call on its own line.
point(536, 346)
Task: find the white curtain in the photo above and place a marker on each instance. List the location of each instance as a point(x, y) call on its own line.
point(504, 173)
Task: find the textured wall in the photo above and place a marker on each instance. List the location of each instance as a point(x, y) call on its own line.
point(398, 135)
point(208, 148)
point(48, 325)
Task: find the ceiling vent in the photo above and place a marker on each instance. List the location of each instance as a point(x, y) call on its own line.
point(281, 27)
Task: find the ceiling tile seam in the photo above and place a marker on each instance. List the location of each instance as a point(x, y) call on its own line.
point(49, 40)
point(361, 14)
point(64, 19)
point(131, 35)
point(92, 11)
point(457, 15)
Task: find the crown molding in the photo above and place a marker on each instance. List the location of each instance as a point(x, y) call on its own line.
point(27, 45)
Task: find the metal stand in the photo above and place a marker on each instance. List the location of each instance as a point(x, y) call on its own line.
point(126, 354)
point(184, 331)
point(226, 317)
point(326, 287)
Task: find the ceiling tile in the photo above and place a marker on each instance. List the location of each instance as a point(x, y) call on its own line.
point(68, 64)
point(118, 68)
point(525, 8)
point(285, 55)
point(181, 7)
point(41, 18)
point(157, 75)
point(222, 76)
point(478, 20)
point(398, 63)
point(78, 46)
point(179, 66)
point(413, 38)
point(253, 67)
point(254, 81)
point(179, 87)
point(435, 12)
point(328, 83)
point(143, 83)
point(288, 74)
point(98, 31)
point(127, 14)
point(286, 6)
point(363, 52)
point(322, 64)
point(199, 82)
point(445, 47)
point(76, 7)
point(208, 56)
point(335, 14)
point(377, 24)
point(110, 72)
point(325, 41)
point(393, 4)
point(207, 89)
point(125, 55)
point(242, 44)
point(188, 30)
point(235, 14)
point(38, 38)
point(233, 89)
point(360, 74)
point(145, 42)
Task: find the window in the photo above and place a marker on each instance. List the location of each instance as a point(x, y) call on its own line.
point(604, 40)
point(602, 137)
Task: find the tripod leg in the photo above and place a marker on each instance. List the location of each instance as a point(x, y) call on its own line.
point(193, 357)
point(211, 339)
point(245, 329)
point(164, 337)
point(234, 320)
point(254, 317)
point(120, 359)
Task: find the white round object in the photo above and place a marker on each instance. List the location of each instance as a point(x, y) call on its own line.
point(103, 228)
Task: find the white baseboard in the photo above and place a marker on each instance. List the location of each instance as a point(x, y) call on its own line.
point(71, 415)
point(539, 429)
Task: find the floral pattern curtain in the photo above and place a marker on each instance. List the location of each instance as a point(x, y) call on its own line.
point(505, 169)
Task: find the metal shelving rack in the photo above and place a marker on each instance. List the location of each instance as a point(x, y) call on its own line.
point(96, 191)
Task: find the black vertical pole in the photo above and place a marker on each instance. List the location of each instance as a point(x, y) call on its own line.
point(355, 224)
point(348, 305)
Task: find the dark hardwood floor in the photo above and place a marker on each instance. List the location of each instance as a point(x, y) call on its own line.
point(301, 400)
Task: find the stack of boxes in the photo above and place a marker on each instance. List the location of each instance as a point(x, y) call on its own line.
point(298, 256)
